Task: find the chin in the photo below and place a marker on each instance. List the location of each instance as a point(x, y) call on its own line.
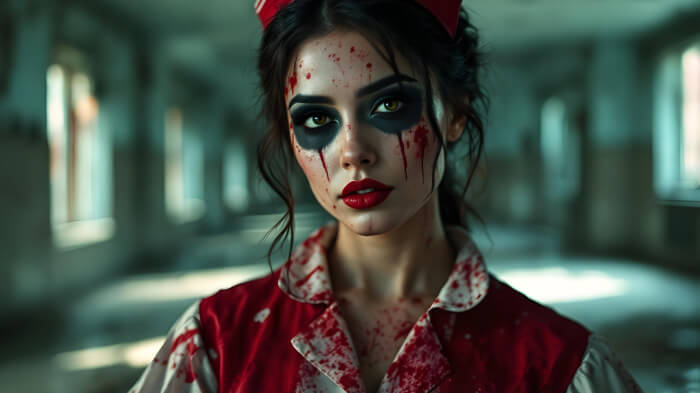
point(369, 223)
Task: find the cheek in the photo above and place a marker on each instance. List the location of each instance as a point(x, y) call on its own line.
point(312, 163)
point(418, 144)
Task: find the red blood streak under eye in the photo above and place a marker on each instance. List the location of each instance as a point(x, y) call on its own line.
point(420, 138)
point(323, 161)
point(403, 154)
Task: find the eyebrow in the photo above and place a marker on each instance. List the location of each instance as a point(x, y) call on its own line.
point(306, 99)
point(382, 83)
point(369, 89)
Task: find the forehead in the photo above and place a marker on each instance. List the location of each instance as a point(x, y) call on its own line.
point(338, 61)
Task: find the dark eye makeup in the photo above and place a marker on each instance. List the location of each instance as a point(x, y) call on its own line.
point(315, 138)
point(408, 113)
point(316, 125)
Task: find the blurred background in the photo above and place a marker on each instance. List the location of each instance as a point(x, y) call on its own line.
point(128, 187)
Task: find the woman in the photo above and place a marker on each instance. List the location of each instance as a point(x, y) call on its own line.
point(371, 98)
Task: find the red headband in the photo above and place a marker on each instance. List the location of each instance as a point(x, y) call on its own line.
point(446, 11)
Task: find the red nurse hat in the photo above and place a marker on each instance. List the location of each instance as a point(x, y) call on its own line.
point(446, 11)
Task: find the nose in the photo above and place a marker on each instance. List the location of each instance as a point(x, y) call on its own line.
point(357, 150)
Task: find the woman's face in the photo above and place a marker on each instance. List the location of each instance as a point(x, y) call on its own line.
point(360, 132)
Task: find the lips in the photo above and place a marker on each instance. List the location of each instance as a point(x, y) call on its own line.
point(364, 194)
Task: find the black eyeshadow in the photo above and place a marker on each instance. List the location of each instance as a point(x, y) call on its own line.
point(393, 122)
point(319, 137)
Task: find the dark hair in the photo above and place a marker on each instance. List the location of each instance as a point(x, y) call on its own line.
point(454, 64)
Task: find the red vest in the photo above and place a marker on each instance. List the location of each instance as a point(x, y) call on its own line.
point(506, 343)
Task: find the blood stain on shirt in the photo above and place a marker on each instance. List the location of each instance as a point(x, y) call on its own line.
point(308, 276)
point(187, 368)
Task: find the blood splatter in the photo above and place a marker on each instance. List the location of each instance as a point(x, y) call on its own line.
point(182, 338)
point(420, 138)
point(352, 49)
point(403, 332)
point(323, 161)
point(369, 66)
point(190, 348)
point(308, 75)
point(308, 276)
point(293, 81)
point(403, 154)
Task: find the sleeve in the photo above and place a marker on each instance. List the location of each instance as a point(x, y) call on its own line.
point(601, 371)
point(183, 363)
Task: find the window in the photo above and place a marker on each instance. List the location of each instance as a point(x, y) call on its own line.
point(235, 176)
point(80, 155)
point(677, 126)
point(184, 169)
point(560, 148)
point(690, 172)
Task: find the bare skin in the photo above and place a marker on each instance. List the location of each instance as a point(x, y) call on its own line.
point(388, 285)
point(389, 262)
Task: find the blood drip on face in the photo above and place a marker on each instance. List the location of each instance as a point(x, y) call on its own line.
point(325, 168)
point(293, 82)
point(403, 154)
point(420, 138)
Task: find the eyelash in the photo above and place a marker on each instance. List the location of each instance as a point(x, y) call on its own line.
point(311, 115)
point(400, 101)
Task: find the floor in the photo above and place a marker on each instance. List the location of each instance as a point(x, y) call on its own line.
point(100, 343)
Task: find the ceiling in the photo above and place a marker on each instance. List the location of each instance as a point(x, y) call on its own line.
point(221, 36)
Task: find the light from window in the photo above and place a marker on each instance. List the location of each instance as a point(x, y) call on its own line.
point(235, 176)
point(690, 176)
point(677, 126)
point(79, 213)
point(184, 170)
point(560, 150)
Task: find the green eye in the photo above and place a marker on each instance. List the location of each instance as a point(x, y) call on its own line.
point(389, 105)
point(315, 121)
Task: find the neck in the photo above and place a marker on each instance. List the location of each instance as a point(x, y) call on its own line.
point(413, 259)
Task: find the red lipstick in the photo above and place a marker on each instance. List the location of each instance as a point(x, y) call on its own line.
point(365, 193)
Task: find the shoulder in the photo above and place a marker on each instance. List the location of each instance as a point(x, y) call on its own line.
point(506, 305)
point(183, 362)
point(509, 331)
point(250, 295)
point(602, 371)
